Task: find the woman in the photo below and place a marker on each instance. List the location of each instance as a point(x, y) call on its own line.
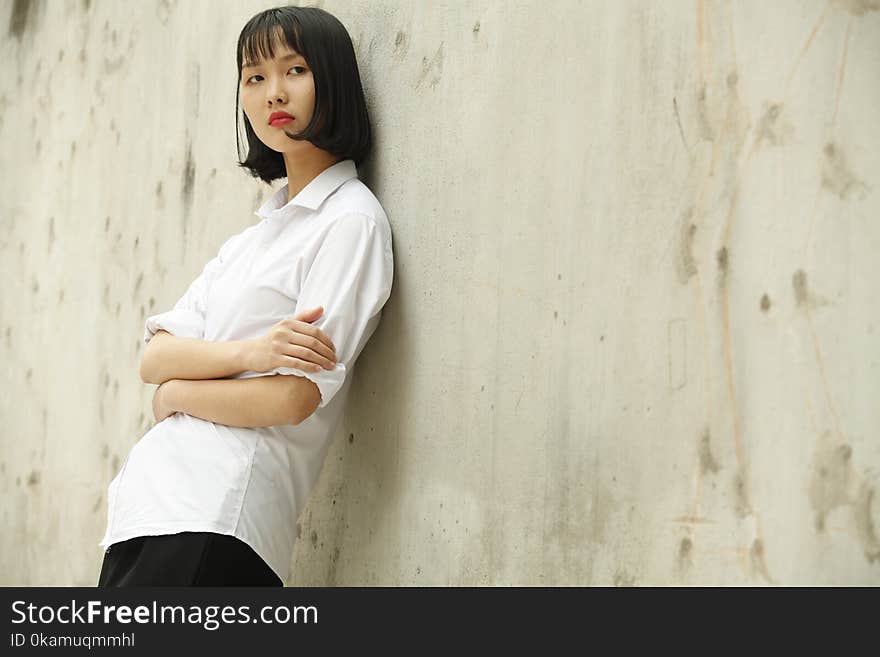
point(249, 397)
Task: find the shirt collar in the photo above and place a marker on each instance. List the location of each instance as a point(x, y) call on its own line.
point(312, 195)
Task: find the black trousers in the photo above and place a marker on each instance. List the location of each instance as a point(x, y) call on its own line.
point(185, 559)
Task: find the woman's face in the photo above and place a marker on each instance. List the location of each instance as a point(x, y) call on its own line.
point(282, 84)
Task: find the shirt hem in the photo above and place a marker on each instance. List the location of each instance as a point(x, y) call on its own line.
point(165, 528)
point(185, 526)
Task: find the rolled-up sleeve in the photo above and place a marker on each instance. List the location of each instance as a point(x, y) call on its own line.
point(351, 277)
point(187, 318)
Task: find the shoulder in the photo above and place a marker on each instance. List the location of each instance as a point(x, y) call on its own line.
point(354, 201)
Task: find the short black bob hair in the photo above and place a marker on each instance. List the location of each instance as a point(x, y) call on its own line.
point(340, 123)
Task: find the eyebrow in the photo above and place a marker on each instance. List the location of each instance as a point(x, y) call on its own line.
point(286, 58)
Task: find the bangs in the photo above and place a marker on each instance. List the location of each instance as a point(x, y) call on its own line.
point(262, 36)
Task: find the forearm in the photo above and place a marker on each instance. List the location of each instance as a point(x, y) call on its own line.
point(262, 401)
point(171, 357)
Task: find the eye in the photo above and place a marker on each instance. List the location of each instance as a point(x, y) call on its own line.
point(301, 68)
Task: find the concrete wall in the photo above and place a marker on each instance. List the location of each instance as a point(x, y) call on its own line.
point(633, 337)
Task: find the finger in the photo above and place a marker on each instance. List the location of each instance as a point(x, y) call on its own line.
point(300, 326)
point(310, 337)
point(304, 326)
point(306, 354)
point(298, 364)
point(323, 337)
point(313, 313)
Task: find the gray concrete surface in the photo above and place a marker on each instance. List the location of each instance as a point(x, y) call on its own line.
point(633, 337)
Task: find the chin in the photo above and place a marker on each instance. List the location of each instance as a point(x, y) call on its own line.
point(278, 144)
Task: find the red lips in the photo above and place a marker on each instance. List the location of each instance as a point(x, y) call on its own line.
point(279, 115)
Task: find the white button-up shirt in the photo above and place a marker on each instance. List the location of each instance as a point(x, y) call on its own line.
point(329, 246)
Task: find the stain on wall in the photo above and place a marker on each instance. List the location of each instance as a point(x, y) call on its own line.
point(865, 511)
point(836, 175)
point(830, 482)
point(708, 464)
point(21, 17)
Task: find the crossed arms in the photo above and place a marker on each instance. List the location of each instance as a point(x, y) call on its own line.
point(190, 374)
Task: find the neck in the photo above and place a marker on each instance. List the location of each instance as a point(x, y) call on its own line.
point(302, 167)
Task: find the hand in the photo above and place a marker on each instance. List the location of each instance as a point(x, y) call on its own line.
point(293, 343)
point(161, 407)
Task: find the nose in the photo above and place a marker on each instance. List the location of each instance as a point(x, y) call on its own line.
point(276, 93)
